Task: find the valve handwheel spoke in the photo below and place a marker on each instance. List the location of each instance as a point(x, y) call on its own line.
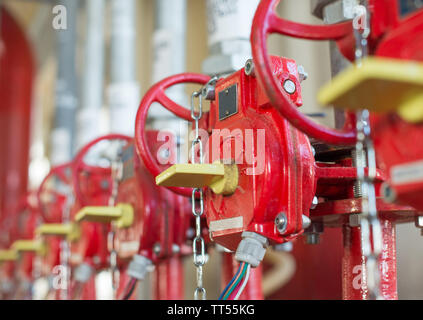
point(267, 22)
point(79, 164)
point(60, 173)
point(157, 94)
point(306, 31)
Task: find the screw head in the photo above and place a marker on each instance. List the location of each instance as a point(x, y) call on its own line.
point(176, 248)
point(314, 203)
point(306, 221)
point(281, 222)
point(313, 238)
point(302, 73)
point(249, 67)
point(289, 86)
point(157, 248)
point(209, 92)
point(354, 220)
point(388, 193)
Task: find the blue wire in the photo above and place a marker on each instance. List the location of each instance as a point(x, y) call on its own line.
point(230, 283)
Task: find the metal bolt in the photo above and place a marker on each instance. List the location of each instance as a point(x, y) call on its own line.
point(302, 73)
point(355, 220)
point(289, 86)
point(306, 221)
point(281, 222)
point(190, 233)
point(249, 67)
point(96, 259)
point(313, 238)
point(104, 184)
point(389, 194)
point(157, 248)
point(313, 233)
point(419, 223)
point(284, 247)
point(314, 203)
point(209, 92)
point(176, 248)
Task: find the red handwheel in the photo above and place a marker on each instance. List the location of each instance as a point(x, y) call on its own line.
point(62, 173)
point(79, 164)
point(157, 94)
point(267, 22)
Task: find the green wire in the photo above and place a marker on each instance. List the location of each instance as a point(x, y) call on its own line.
point(236, 283)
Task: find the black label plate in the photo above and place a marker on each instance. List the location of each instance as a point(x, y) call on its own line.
point(228, 102)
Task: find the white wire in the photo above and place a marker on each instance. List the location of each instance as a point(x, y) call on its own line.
point(247, 275)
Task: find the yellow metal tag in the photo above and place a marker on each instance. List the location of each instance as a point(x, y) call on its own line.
point(35, 246)
point(122, 215)
point(190, 175)
point(221, 178)
point(380, 85)
point(8, 255)
point(70, 231)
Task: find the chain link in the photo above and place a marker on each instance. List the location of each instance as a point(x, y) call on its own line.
point(198, 246)
point(65, 246)
point(366, 157)
point(117, 174)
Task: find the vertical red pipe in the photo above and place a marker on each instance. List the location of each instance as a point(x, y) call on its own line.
point(169, 279)
point(88, 291)
point(253, 290)
point(16, 75)
point(388, 261)
point(354, 286)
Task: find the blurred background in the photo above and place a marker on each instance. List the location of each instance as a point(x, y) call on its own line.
point(102, 63)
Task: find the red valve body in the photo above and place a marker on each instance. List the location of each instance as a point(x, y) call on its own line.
point(281, 180)
point(162, 219)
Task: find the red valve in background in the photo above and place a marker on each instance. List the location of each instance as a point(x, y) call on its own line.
point(161, 222)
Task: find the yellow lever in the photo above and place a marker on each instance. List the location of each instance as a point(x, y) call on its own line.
point(380, 85)
point(8, 255)
point(70, 231)
point(35, 246)
point(221, 178)
point(122, 215)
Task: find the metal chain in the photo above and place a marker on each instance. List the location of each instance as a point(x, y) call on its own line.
point(198, 246)
point(117, 174)
point(365, 156)
point(65, 246)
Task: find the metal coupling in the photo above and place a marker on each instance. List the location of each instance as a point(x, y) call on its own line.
point(252, 248)
point(83, 273)
point(139, 266)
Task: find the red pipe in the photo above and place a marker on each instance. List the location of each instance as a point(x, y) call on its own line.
point(16, 75)
point(354, 286)
point(169, 279)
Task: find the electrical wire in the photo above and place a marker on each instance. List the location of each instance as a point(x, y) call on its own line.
point(129, 290)
point(244, 284)
point(230, 283)
point(236, 289)
point(237, 281)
